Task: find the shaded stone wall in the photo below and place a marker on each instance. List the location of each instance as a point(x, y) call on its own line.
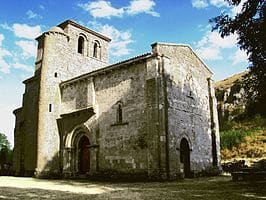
point(25, 145)
point(30, 111)
point(18, 155)
point(77, 95)
point(189, 108)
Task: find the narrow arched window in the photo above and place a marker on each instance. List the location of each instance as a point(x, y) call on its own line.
point(119, 114)
point(95, 50)
point(81, 45)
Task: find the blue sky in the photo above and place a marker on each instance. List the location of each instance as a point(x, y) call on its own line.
point(133, 25)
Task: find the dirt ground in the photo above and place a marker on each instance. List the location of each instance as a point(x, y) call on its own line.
point(212, 188)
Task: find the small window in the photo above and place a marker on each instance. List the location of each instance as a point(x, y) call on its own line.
point(118, 109)
point(119, 117)
point(95, 50)
point(81, 45)
point(50, 107)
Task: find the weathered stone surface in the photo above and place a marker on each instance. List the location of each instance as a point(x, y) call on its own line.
point(231, 97)
point(128, 119)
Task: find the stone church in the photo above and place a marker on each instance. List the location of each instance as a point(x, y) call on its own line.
point(151, 116)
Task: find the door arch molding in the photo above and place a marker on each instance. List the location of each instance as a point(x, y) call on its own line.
point(74, 149)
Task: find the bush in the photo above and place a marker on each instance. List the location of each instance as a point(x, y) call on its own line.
point(233, 138)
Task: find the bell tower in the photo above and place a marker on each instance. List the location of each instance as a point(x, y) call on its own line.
point(64, 52)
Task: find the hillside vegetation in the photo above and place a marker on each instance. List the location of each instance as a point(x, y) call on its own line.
point(242, 136)
point(244, 139)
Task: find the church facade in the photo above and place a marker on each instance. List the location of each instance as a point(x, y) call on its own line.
point(151, 116)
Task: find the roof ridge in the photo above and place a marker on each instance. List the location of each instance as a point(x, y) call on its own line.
point(129, 59)
point(72, 22)
point(109, 67)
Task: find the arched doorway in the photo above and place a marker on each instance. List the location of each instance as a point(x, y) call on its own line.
point(185, 156)
point(83, 155)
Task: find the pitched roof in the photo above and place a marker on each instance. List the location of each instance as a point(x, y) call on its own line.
point(65, 23)
point(111, 67)
point(187, 46)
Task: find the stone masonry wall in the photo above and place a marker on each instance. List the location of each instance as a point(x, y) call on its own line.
point(18, 157)
point(189, 109)
point(51, 73)
point(25, 147)
point(78, 64)
point(127, 146)
point(122, 144)
point(59, 61)
point(30, 105)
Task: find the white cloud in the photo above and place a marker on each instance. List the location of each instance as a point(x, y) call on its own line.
point(204, 3)
point(219, 3)
point(23, 67)
point(214, 39)
point(33, 15)
point(6, 26)
point(211, 45)
point(28, 48)
point(199, 3)
point(233, 10)
point(209, 53)
point(239, 57)
point(26, 31)
point(142, 6)
point(237, 9)
point(4, 66)
point(102, 9)
point(120, 39)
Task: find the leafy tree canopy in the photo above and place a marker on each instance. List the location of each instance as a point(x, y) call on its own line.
point(5, 152)
point(249, 25)
point(4, 143)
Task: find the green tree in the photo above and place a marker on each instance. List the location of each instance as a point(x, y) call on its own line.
point(5, 150)
point(250, 26)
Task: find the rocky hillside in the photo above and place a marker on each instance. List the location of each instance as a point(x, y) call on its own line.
point(230, 97)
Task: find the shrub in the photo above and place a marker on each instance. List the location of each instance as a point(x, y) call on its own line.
point(233, 138)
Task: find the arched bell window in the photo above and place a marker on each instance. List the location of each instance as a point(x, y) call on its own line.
point(96, 49)
point(81, 45)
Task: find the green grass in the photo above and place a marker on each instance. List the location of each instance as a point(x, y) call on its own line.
point(233, 138)
point(234, 133)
